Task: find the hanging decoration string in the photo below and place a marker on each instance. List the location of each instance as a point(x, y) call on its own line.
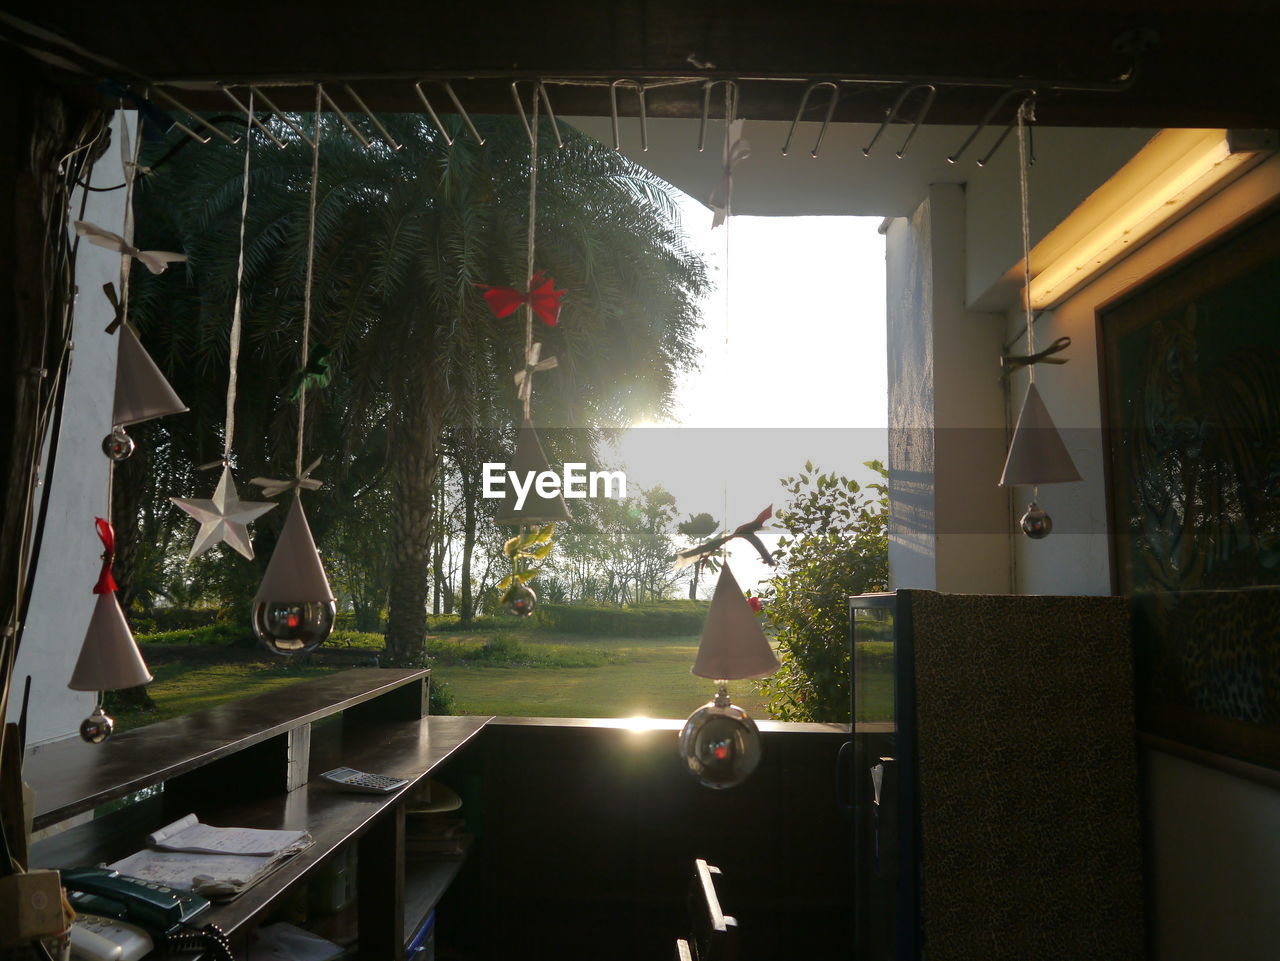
point(130, 165)
point(306, 291)
point(530, 359)
point(233, 348)
point(1026, 112)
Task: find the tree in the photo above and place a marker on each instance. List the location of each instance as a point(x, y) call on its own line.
point(403, 238)
point(836, 545)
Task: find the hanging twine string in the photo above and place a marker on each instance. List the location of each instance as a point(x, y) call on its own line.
point(1026, 112)
point(306, 291)
point(533, 216)
point(233, 348)
point(130, 166)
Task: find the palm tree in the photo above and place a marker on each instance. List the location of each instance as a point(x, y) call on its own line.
point(403, 238)
point(698, 528)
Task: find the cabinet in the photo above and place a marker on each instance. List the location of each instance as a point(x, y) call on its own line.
point(254, 763)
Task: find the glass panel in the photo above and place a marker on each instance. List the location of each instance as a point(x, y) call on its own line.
point(873, 665)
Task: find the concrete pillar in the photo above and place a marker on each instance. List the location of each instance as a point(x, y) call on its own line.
point(949, 522)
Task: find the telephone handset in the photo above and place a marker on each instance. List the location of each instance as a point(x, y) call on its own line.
point(119, 916)
point(106, 893)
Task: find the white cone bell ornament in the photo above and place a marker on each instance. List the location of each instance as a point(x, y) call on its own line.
point(142, 394)
point(1037, 456)
point(539, 509)
point(720, 742)
point(109, 658)
point(109, 661)
point(294, 608)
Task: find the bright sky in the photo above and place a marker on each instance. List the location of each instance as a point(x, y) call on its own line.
point(793, 368)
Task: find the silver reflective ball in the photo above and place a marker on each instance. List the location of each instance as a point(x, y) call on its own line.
point(97, 727)
point(721, 744)
point(118, 445)
point(519, 600)
point(1036, 524)
point(293, 627)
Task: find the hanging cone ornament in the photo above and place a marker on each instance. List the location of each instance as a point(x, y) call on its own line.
point(294, 608)
point(733, 646)
point(1037, 454)
point(142, 393)
point(109, 659)
point(720, 742)
point(529, 462)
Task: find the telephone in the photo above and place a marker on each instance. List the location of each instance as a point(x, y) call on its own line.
point(119, 918)
point(110, 894)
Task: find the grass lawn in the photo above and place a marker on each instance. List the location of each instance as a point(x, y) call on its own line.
point(520, 673)
point(650, 677)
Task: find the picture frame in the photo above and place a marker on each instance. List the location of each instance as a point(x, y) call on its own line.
point(1191, 398)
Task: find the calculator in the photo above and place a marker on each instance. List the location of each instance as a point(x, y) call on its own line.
point(349, 779)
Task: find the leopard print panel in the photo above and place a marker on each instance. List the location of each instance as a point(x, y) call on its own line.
point(1028, 778)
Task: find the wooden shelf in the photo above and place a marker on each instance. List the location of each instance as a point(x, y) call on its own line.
point(221, 776)
point(426, 879)
point(71, 777)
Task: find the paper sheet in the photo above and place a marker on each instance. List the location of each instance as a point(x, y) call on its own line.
point(180, 869)
point(188, 834)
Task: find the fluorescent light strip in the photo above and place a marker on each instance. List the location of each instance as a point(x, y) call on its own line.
point(1162, 181)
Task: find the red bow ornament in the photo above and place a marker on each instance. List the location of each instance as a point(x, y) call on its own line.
point(542, 298)
point(106, 533)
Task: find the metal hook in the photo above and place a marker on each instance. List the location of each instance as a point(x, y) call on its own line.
point(187, 130)
point(383, 132)
point(253, 117)
point(346, 121)
point(826, 121)
point(707, 87)
point(1004, 98)
point(302, 134)
point(466, 117)
point(431, 111)
point(540, 89)
point(613, 111)
point(892, 113)
point(1007, 130)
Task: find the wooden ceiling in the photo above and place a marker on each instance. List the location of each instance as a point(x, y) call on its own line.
point(1206, 64)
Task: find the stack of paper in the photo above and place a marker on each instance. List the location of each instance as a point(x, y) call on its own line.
point(216, 863)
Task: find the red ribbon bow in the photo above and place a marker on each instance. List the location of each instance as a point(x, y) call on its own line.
point(106, 533)
point(542, 297)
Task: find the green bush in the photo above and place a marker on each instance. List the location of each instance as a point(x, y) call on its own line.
point(836, 545)
point(222, 634)
point(654, 619)
point(166, 619)
point(440, 698)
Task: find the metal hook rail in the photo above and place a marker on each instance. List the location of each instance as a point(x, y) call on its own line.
point(731, 88)
point(1025, 92)
point(826, 121)
point(540, 91)
point(892, 113)
point(613, 111)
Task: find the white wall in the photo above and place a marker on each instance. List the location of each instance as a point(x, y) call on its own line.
point(62, 600)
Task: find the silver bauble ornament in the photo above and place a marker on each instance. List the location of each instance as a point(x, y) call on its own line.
point(97, 727)
point(720, 743)
point(293, 627)
point(519, 600)
point(1036, 524)
point(118, 445)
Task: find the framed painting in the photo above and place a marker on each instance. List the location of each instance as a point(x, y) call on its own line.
point(1191, 366)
